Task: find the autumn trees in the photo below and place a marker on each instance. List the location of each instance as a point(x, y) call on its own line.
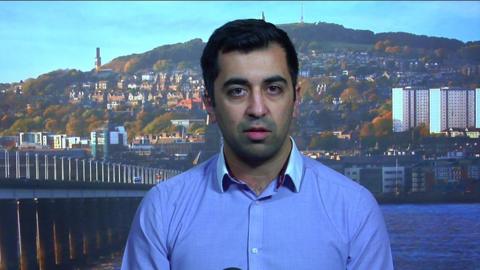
point(325, 141)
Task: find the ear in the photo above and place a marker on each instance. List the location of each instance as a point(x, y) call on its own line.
point(208, 103)
point(298, 100)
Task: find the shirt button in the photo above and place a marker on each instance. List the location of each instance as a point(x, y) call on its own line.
point(258, 202)
point(254, 250)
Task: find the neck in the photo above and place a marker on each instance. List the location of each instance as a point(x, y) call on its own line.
point(259, 176)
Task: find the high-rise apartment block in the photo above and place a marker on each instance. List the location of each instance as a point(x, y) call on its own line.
point(438, 108)
point(410, 107)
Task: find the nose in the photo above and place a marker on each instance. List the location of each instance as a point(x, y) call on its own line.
point(256, 105)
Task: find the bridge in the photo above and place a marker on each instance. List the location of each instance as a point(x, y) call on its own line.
point(62, 211)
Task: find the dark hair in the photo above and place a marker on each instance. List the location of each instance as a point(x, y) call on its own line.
point(245, 36)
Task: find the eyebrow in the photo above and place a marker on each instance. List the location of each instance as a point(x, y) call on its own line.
point(241, 81)
point(232, 81)
point(276, 78)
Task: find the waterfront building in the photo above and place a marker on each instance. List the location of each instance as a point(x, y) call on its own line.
point(473, 171)
point(35, 139)
point(141, 146)
point(447, 172)
point(384, 179)
point(108, 140)
point(371, 178)
point(76, 142)
point(60, 141)
point(418, 179)
point(393, 179)
point(30, 138)
point(353, 173)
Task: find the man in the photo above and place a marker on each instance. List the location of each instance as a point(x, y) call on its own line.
point(259, 203)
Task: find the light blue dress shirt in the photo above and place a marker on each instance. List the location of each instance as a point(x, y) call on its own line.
point(204, 219)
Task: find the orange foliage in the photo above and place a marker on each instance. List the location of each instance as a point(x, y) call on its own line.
point(407, 50)
point(379, 46)
point(393, 50)
point(350, 95)
point(382, 125)
point(131, 65)
point(367, 130)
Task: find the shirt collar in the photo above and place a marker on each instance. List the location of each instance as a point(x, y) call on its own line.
point(294, 168)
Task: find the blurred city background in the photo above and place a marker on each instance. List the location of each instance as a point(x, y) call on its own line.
point(395, 109)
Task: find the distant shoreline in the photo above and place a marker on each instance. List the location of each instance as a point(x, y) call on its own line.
point(428, 198)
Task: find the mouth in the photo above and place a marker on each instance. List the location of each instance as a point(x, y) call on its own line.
point(257, 133)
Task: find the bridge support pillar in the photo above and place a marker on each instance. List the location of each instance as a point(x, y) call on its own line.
point(116, 208)
point(104, 219)
point(75, 228)
point(45, 244)
point(111, 221)
point(27, 233)
point(8, 235)
point(90, 234)
point(60, 232)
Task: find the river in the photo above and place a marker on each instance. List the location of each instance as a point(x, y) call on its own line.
point(423, 237)
point(434, 236)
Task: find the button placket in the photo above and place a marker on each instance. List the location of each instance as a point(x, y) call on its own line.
point(255, 234)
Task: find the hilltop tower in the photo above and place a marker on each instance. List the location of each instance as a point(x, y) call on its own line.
point(301, 15)
point(98, 60)
point(263, 16)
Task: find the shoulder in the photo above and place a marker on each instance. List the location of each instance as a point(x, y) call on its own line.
point(328, 179)
point(184, 183)
point(347, 204)
point(194, 174)
point(341, 197)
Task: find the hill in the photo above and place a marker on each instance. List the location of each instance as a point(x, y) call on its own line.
point(310, 35)
point(53, 83)
point(160, 58)
point(306, 36)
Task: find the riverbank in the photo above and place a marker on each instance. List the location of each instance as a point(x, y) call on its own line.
point(428, 198)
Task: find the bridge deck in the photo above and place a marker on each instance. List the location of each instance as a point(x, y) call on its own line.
point(24, 188)
point(33, 175)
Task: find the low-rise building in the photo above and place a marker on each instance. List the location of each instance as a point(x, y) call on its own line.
point(393, 179)
point(383, 179)
point(60, 141)
point(35, 139)
point(108, 140)
point(101, 85)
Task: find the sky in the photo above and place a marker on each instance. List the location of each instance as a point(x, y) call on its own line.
point(39, 37)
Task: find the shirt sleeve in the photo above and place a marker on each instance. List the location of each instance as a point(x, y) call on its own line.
point(146, 246)
point(370, 244)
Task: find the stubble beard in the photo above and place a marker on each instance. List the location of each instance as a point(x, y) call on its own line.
point(256, 153)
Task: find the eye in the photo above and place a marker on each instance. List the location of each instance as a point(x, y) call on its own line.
point(237, 92)
point(274, 89)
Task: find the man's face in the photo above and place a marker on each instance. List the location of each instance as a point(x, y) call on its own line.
point(254, 103)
